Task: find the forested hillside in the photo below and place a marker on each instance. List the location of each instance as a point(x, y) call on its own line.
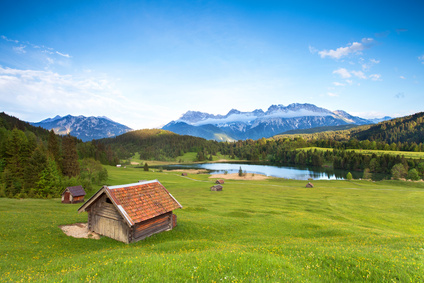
point(158, 144)
point(37, 163)
point(406, 129)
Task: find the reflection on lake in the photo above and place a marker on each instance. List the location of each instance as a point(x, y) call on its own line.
point(298, 173)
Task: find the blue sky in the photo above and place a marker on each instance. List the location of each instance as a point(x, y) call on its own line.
point(145, 63)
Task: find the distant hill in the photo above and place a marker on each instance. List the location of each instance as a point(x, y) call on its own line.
point(237, 125)
point(158, 144)
point(84, 128)
point(405, 129)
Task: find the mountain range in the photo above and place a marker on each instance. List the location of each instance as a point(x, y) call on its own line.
point(237, 125)
point(84, 128)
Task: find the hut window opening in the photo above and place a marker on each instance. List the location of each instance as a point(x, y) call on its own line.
point(108, 200)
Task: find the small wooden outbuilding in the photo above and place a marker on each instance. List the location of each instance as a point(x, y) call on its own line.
point(309, 185)
point(220, 181)
point(132, 212)
point(73, 194)
point(216, 188)
point(183, 174)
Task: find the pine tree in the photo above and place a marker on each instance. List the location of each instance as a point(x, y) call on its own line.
point(53, 147)
point(70, 164)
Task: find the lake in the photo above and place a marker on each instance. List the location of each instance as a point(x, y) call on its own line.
point(298, 173)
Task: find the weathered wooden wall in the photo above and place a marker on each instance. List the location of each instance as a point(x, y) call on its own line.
point(104, 219)
point(67, 197)
point(152, 226)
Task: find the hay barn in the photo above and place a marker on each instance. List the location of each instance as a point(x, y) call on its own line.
point(216, 188)
point(309, 185)
point(220, 181)
point(132, 212)
point(73, 194)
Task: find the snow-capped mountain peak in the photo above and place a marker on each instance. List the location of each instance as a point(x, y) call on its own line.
point(257, 124)
point(84, 128)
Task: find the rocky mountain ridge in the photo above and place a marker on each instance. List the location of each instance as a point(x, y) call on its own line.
point(277, 119)
point(84, 128)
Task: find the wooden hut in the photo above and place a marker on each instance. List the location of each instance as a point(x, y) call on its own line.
point(132, 212)
point(220, 181)
point(309, 185)
point(216, 188)
point(183, 174)
point(73, 194)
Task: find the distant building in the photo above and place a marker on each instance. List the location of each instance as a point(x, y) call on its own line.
point(220, 181)
point(216, 188)
point(309, 185)
point(73, 194)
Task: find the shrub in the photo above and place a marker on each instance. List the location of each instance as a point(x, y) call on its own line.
point(413, 174)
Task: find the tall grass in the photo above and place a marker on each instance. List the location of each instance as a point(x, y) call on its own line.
point(275, 230)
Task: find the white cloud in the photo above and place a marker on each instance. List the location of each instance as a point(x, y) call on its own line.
point(332, 94)
point(40, 91)
point(9, 40)
point(359, 74)
point(312, 49)
point(62, 54)
point(346, 74)
point(375, 77)
point(366, 66)
point(421, 58)
point(36, 48)
point(351, 48)
point(19, 49)
point(342, 72)
point(402, 77)
point(338, 84)
point(34, 95)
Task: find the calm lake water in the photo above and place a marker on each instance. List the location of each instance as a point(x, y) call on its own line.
point(298, 173)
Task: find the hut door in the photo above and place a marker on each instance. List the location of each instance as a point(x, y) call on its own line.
point(66, 199)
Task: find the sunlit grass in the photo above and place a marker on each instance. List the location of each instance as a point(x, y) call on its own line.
point(274, 230)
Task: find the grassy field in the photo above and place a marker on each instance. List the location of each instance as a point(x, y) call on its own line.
point(253, 231)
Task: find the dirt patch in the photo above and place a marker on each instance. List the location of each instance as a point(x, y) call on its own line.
point(79, 230)
point(235, 176)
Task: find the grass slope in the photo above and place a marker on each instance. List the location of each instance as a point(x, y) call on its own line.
point(274, 230)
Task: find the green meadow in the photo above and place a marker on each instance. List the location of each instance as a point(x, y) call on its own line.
point(253, 231)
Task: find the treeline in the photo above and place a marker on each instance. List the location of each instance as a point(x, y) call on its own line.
point(38, 163)
point(353, 161)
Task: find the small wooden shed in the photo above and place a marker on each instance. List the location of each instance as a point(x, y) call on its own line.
point(132, 212)
point(73, 194)
point(309, 185)
point(216, 188)
point(183, 174)
point(220, 181)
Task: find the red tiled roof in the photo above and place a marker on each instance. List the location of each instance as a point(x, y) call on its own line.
point(142, 201)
